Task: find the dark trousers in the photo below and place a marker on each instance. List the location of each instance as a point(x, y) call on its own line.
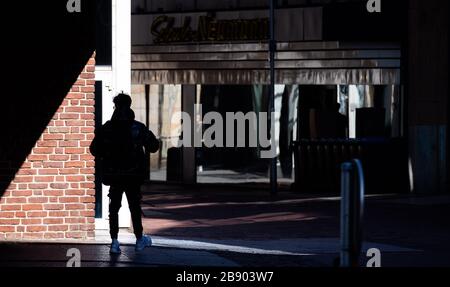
point(133, 192)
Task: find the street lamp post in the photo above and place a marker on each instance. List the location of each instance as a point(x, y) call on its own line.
point(272, 48)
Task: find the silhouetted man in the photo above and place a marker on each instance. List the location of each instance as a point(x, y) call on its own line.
point(120, 146)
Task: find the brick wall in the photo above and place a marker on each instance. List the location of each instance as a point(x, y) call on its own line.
point(52, 196)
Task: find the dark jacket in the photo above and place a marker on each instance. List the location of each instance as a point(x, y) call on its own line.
point(120, 147)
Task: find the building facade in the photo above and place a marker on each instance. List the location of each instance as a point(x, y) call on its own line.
point(170, 55)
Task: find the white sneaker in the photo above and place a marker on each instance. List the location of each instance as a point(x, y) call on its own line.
point(115, 247)
point(144, 241)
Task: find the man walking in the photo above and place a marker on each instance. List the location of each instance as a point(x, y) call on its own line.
point(120, 147)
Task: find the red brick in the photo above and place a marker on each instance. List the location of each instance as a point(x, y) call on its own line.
point(90, 69)
point(76, 137)
point(66, 171)
point(75, 228)
point(37, 200)
point(52, 206)
point(75, 157)
point(59, 150)
point(9, 221)
point(58, 227)
point(87, 130)
point(75, 185)
point(53, 164)
point(90, 192)
point(37, 164)
point(53, 221)
point(48, 171)
point(53, 192)
point(37, 214)
point(74, 213)
point(23, 179)
point(38, 186)
point(74, 150)
point(69, 200)
point(7, 229)
point(58, 213)
point(87, 157)
point(37, 193)
point(74, 192)
point(36, 157)
point(75, 96)
point(22, 193)
point(74, 206)
point(28, 207)
point(51, 143)
point(49, 137)
point(87, 185)
point(59, 157)
point(42, 150)
point(89, 171)
point(16, 200)
point(10, 207)
point(20, 214)
point(87, 213)
point(15, 236)
point(76, 178)
point(87, 89)
point(59, 130)
point(33, 235)
point(90, 163)
point(77, 110)
point(85, 143)
point(75, 220)
point(87, 199)
point(26, 171)
point(54, 235)
point(74, 164)
point(87, 76)
point(32, 221)
point(44, 178)
point(6, 214)
point(75, 235)
point(80, 82)
point(59, 185)
point(75, 123)
point(36, 228)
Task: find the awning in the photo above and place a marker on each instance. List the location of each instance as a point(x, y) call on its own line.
point(307, 63)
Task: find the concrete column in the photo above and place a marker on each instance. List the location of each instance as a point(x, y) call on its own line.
point(427, 95)
point(188, 93)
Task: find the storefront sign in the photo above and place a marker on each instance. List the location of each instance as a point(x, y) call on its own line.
point(248, 26)
point(209, 29)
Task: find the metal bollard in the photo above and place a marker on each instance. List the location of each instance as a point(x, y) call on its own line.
point(352, 212)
